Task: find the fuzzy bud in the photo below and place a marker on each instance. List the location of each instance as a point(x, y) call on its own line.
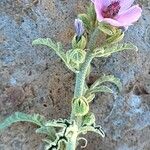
point(80, 106)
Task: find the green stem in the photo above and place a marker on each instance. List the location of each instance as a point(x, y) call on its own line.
point(72, 138)
point(80, 85)
point(71, 145)
point(80, 77)
point(93, 39)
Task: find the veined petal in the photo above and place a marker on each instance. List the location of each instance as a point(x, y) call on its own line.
point(125, 4)
point(130, 16)
point(112, 22)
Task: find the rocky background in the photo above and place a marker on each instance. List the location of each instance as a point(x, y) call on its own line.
point(34, 80)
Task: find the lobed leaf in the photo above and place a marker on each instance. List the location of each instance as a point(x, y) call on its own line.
point(103, 79)
point(22, 117)
point(108, 50)
point(55, 46)
point(50, 131)
point(102, 89)
point(96, 129)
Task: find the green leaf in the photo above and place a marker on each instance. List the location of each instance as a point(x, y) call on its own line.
point(96, 129)
point(89, 96)
point(102, 89)
point(55, 46)
point(56, 123)
point(22, 117)
point(85, 88)
point(108, 50)
point(46, 130)
point(50, 131)
point(108, 78)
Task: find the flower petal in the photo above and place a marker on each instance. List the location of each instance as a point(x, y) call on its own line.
point(103, 3)
point(112, 22)
point(125, 4)
point(98, 8)
point(130, 16)
point(106, 2)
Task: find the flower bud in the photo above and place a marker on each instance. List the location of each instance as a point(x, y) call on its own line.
point(79, 43)
point(79, 27)
point(80, 106)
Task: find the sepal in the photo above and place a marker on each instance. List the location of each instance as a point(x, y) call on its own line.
point(86, 20)
point(91, 13)
point(106, 28)
point(75, 58)
point(116, 37)
point(79, 43)
point(80, 106)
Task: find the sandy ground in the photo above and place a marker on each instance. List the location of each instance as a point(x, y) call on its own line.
point(34, 80)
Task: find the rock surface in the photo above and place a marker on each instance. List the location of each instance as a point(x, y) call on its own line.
point(33, 79)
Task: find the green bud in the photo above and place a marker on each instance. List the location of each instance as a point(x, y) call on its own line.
point(89, 119)
point(80, 106)
point(79, 43)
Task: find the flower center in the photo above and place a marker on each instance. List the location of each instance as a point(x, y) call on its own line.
point(112, 10)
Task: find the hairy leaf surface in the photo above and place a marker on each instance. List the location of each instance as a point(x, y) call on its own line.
point(22, 117)
point(108, 50)
point(108, 78)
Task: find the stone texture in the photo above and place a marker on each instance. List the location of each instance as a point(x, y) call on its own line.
point(33, 79)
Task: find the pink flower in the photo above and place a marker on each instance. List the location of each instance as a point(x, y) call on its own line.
point(117, 12)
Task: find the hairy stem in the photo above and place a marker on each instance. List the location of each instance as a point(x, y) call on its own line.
point(80, 85)
point(93, 39)
point(71, 145)
point(80, 77)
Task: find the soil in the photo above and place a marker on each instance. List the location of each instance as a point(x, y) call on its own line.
point(34, 80)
